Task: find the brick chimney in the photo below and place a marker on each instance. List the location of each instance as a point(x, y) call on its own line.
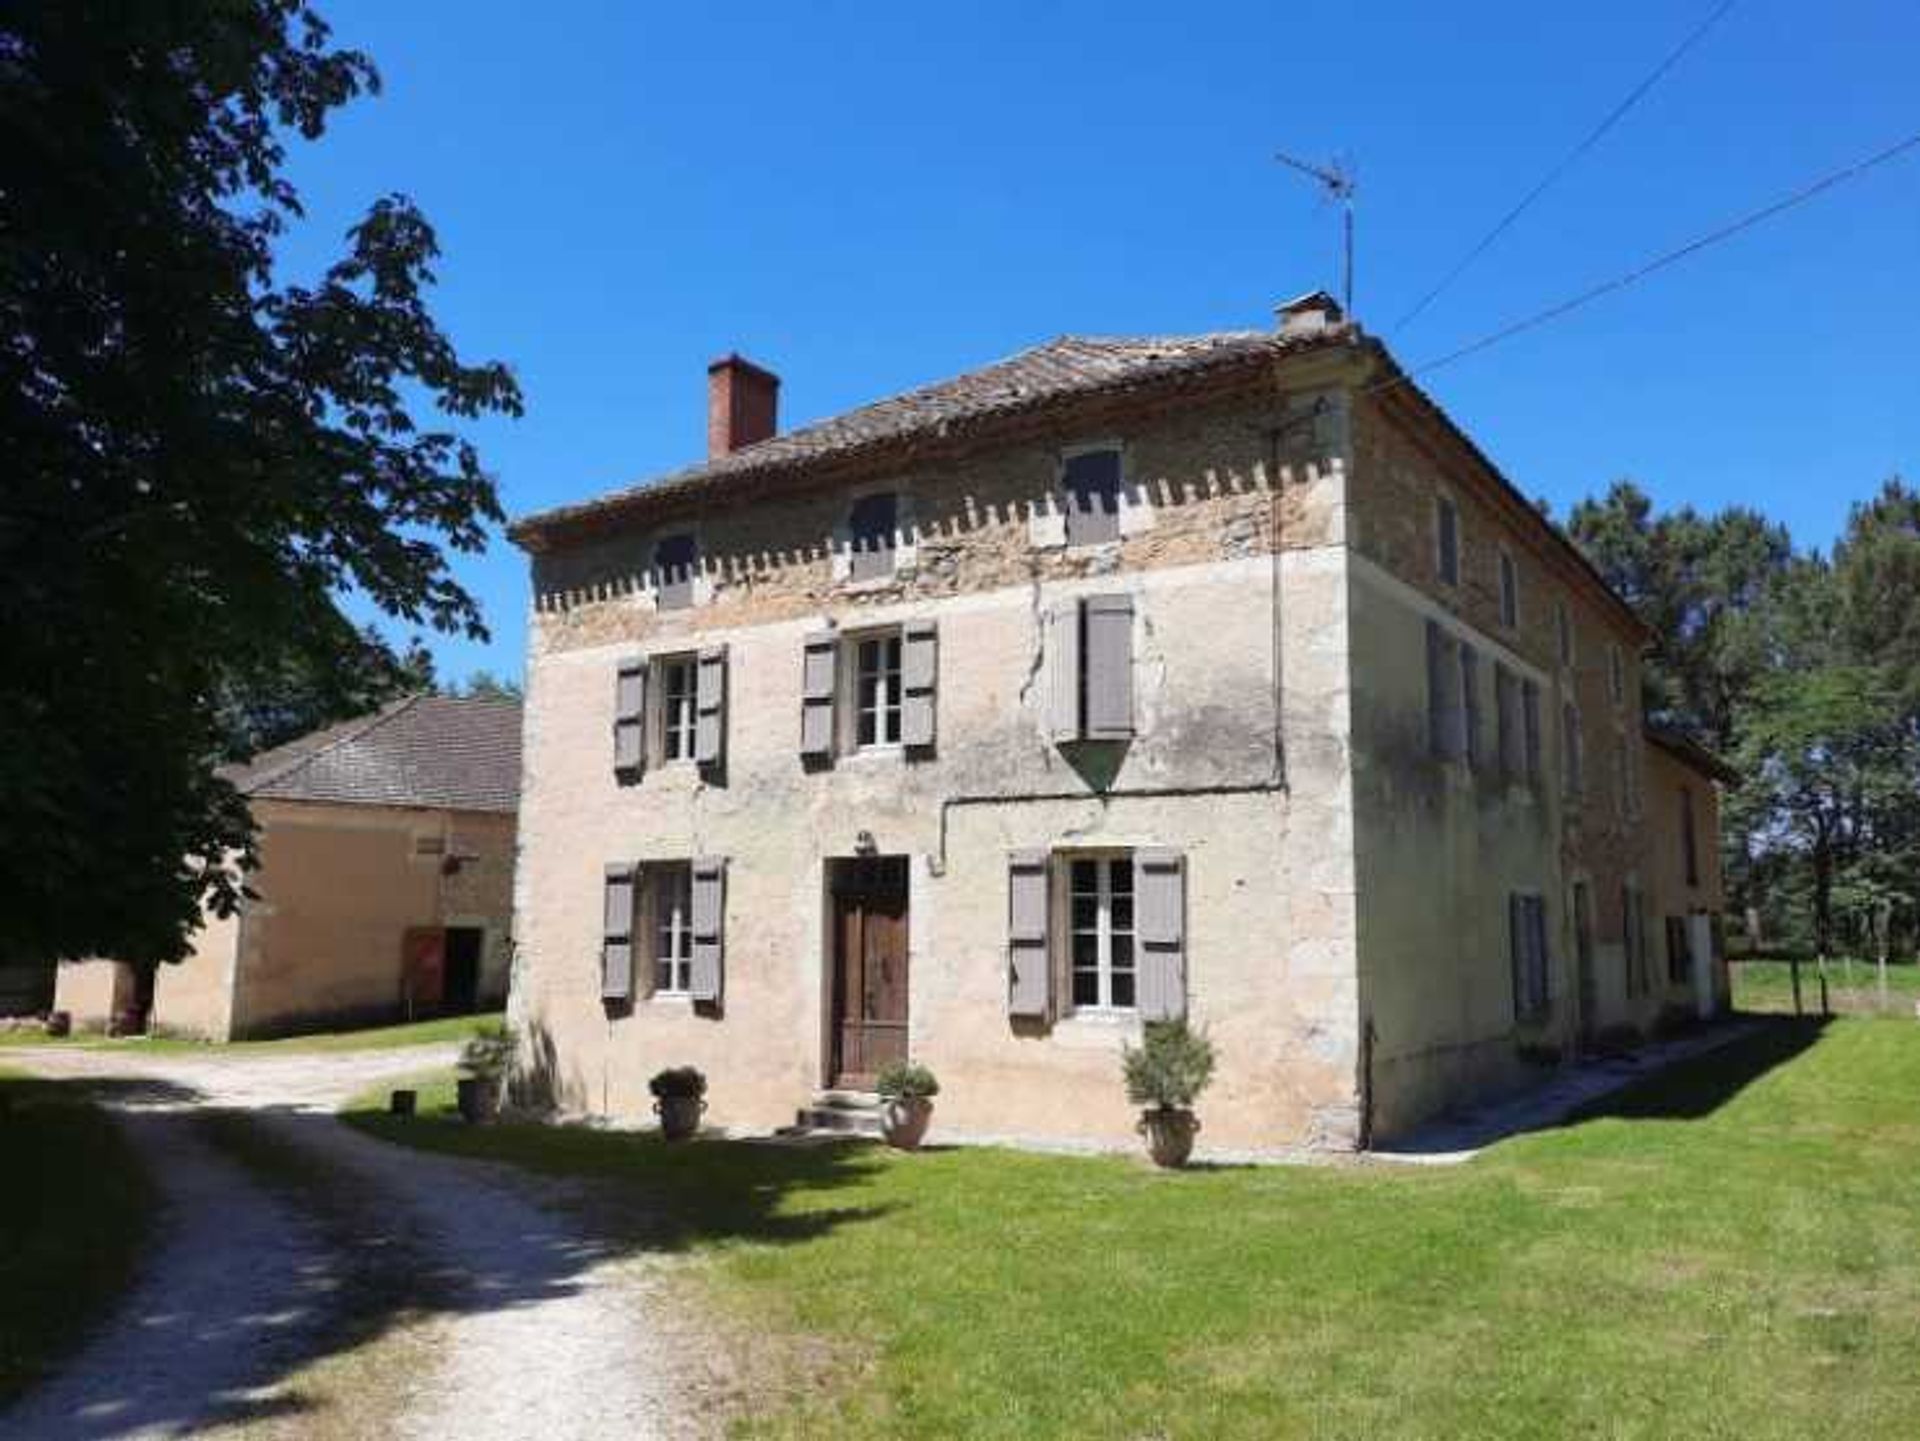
point(743, 403)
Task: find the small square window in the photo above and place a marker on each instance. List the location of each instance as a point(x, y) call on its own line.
point(874, 526)
point(876, 696)
point(1091, 481)
point(677, 709)
point(670, 896)
point(1446, 525)
point(675, 558)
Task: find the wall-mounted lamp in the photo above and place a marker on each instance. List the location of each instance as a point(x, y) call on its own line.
point(865, 845)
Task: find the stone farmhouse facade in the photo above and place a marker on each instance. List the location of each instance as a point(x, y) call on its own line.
point(384, 892)
point(1216, 676)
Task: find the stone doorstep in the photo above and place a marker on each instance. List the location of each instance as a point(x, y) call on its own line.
point(837, 1113)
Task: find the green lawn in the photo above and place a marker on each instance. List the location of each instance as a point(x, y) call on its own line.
point(380, 1038)
point(1851, 989)
point(1731, 1250)
point(75, 1210)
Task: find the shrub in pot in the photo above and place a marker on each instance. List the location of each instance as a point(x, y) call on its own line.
point(907, 1090)
point(1165, 1075)
point(679, 1096)
point(485, 1060)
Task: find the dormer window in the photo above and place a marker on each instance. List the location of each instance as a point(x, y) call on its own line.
point(675, 558)
point(1091, 481)
point(874, 527)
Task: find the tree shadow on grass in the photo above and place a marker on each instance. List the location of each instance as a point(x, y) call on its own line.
point(289, 1239)
point(1702, 1084)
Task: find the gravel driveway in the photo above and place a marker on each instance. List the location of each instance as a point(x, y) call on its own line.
point(307, 1280)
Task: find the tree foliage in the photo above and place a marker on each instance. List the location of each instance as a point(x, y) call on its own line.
point(200, 454)
point(1805, 670)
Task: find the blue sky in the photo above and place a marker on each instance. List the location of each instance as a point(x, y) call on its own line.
point(865, 198)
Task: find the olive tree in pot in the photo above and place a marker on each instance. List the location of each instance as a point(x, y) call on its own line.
point(908, 1091)
point(485, 1060)
point(679, 1097)
point(1165, 1076)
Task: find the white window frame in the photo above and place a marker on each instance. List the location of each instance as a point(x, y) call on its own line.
point(857, 685)
point(1507, 578)
point(669, 890)
point(1444, 504)
point(666, 728)
point(1107, 864)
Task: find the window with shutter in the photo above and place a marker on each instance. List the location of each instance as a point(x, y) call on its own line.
point(1446, 539)
point(920, 674)
point(1530, 728)
point(819, 658)
point(1161, 895)
point(1509, 591)
point(675, 560)
point(1573, 749)
point(1090, 482)
point(1563, 628)
point(707, 907)
point(710, 735)
point(1506, 709)
point(1470, 705)
point(629, 717)
point(1029, 964)
point(1064, 688)
point(1107, 665)
point(1689, 844)
point(616, 948)
point(1527, 946)
point(669, 888)
point(1679, 952)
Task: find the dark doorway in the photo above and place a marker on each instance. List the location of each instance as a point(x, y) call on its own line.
point(461, 995)
point(869, 910)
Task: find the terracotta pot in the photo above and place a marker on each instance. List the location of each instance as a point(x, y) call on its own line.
point(1169, 1134)
point(904, 1121)
point(479, 1099)
point(679, 1116)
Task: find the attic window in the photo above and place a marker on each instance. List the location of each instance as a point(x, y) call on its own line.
point(874, 524)
point(674, 558)
point(434, 845)
point(1091, 480)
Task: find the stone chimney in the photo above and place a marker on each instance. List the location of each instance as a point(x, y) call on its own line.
point(1309, 314)
point(743, 403)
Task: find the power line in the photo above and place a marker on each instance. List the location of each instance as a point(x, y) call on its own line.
point(1661, 262)
point(1567, 163)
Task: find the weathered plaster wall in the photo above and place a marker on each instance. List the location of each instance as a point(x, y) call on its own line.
point(1270, 878)
point(190, 997)
point(1440, 846)
point(339, 886)
point(89, 991)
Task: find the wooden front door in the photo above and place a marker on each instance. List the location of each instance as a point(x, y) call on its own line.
point(870, 969)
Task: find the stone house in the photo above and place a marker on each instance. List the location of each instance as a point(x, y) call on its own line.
point(1217, 676)
point(384, 890)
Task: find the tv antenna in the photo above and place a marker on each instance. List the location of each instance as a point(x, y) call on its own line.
point(1337, 180)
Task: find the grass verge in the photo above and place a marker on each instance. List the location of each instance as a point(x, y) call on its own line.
point(1727, 1250)
point(378, 1038)
point(1853, 986)
point(76, 1208)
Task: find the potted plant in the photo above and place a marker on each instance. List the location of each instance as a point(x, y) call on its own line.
point(908, 1090)
point(485, 1059)
point(1165, 1076)
point(679, 1096)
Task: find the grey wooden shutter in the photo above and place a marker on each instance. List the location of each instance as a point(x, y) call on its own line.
point(708, 924)
point(616, 949)
point(817, 684)
point(629, 717)
point(710, 705)
point(1160, 915)
point(1437, 723)
point(1063, 681)
point(1530, 727)
point(1108, 665)
point(919, 677)
point(1506, 707)
point(1517, 950)
point(1029, 963)
point(1470, 704)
